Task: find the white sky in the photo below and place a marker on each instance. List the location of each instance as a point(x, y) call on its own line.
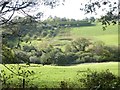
point(70, 9)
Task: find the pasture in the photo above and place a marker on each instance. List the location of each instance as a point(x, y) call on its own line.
point(108, 36)
point(66, 35)
point(51, 76)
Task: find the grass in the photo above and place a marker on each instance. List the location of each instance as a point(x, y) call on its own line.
point(50, 76)
point(108, 39)
point(96, 33)
point(109, 36)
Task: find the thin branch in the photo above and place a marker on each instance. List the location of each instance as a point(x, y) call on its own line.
point(17, 8)
point(11, 70)
point(14, 8)
point(26, 13)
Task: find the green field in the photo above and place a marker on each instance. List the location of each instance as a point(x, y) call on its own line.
point(50, 76)
point(95, 33)
point(108, 36)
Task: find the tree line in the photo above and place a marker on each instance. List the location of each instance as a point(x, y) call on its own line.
point(79, 51)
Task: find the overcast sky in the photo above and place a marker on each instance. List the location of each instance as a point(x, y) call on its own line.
point(70, 9)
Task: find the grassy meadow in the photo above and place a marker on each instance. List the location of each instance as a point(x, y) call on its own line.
point(50, 76)
point(108, 36)
point(66, 35)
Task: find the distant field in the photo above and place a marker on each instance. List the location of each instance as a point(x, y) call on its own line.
point(96, 33)
point(109, 36)
point(50, 76)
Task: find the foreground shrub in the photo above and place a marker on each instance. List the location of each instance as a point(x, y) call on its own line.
point(8, 55)
point(93, 80)
point(17, 77)
point(100, 80)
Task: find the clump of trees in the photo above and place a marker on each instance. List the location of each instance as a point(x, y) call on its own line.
point(81, 50)
point(7, 55)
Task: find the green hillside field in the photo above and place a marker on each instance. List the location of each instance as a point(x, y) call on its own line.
point(66, 35)
point(108, 36)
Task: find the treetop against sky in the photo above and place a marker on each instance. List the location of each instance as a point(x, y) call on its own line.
point(60, 8)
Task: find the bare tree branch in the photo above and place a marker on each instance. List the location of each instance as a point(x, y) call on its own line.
point(16, 5)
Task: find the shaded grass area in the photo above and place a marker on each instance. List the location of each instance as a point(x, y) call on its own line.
point(50, 76)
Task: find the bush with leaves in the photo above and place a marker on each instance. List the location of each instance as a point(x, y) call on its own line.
point(8, 55)
point(48, 56)
point(93, 80)
point(28, 48)
point(21, 56)
point(80, 44)
point(51, 55)
point(60, 59)
point(16, 77)
point(105, 53)
point(44, 34)
point(114, 53)
point(71, 57)
point(64, 85)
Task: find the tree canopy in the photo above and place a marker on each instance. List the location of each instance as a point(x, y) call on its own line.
point(111, 9)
